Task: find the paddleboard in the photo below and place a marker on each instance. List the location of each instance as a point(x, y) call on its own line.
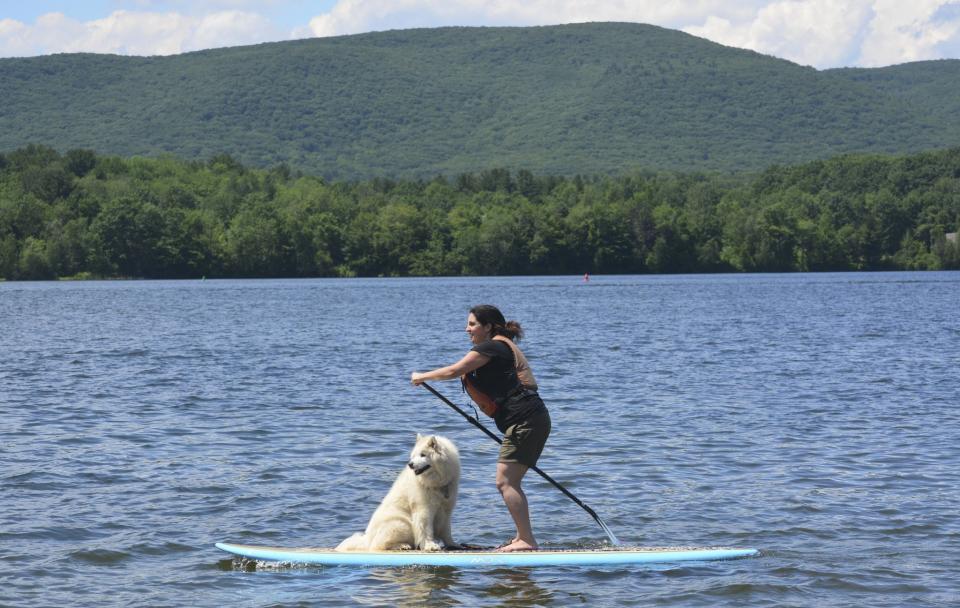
point(487, 557)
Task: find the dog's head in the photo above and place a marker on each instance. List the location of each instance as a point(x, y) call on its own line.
point(436, 457)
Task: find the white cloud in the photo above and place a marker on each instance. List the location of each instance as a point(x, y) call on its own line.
point(909, 31)
point(133, 33)
point(12, 34)
point(231, 28)
point(810, 32)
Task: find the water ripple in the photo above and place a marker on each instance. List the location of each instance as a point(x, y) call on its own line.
point(812, 416)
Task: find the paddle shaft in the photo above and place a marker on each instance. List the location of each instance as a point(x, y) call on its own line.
point(556, 484)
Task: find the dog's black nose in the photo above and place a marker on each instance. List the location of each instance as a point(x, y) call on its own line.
point(410, 464)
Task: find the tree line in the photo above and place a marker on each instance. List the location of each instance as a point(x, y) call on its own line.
point(84, 215)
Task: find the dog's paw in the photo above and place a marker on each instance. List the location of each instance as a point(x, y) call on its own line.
point(432, 545)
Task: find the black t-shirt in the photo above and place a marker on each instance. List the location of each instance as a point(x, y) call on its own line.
point(498, 379)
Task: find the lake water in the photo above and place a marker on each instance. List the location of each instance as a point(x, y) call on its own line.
point(812, 416)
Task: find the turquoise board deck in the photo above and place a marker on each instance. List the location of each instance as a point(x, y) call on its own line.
point(487, 557)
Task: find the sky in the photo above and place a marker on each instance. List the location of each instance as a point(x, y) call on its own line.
point(819, 33)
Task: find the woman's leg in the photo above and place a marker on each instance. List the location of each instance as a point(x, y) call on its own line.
point(509, 476)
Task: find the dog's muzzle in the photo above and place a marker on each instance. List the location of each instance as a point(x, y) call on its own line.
point(418, 469)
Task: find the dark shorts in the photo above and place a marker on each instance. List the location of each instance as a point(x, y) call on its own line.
point(523, 442)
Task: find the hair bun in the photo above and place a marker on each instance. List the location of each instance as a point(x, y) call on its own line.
point(514, 328)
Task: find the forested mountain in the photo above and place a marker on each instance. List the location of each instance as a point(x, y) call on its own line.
point(602, 98)
point(85, 215)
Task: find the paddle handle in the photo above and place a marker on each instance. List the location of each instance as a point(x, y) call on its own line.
point(567, 493)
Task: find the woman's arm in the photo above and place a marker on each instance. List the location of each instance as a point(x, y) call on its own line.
point(471, 361)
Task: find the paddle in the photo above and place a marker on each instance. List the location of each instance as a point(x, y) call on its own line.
point(569, 494)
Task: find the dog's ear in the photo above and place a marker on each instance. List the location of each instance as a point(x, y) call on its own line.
point(433, 442)
point(419, 437)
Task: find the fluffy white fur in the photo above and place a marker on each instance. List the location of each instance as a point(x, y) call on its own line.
point(415, 513)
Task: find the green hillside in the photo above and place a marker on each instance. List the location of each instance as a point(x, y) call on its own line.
point(562, 100)
point(930, 88)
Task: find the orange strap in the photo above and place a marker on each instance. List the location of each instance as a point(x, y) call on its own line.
point(487, 405)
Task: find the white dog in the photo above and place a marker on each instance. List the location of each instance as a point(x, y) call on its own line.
point(415, 513)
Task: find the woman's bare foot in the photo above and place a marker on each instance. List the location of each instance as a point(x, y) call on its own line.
point(517, 545)
point(507, 543)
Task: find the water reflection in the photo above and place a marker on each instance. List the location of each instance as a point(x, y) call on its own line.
point(453, 587)
point(414, 587)
point(516, 588)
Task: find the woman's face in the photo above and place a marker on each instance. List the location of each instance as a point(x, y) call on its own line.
point(478, 333)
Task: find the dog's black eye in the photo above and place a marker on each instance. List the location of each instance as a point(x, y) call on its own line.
point(423, 454)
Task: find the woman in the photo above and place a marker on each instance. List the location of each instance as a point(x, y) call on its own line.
point(490, 374)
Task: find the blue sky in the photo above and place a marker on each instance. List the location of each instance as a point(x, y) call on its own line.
point(289, 14)
point(820, 33)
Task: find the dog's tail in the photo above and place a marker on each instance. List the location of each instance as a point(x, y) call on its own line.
point(357, 542)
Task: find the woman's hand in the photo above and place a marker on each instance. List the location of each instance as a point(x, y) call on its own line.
point(416, 378)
